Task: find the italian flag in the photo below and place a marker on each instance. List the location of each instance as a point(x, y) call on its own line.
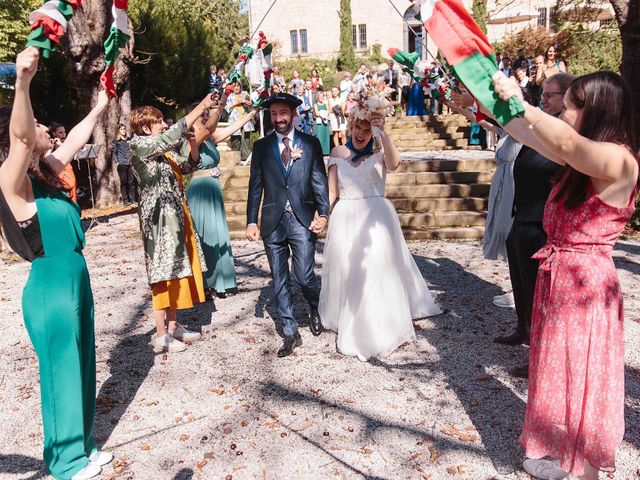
point(469, 53)
point(49, 24)
point(119, 35)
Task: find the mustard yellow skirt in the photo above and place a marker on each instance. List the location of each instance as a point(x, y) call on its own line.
point(181, 293)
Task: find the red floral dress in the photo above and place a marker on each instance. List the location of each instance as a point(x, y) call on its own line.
point(575, 408)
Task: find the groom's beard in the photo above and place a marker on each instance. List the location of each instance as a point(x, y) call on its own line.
point(283, 127)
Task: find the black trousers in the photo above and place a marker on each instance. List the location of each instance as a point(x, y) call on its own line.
point(524, 240)
point(127, 183)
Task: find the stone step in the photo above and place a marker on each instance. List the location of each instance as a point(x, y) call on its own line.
point(238, 182)
point(429, 178)
point(242, 171)
point(428, 148)
point(416, 145)
point(436, 233)
point(409, 205)
point(446, 233)
point(402, 205)
point(425, 220)
point(441, 119)
point(235, 208)
point(446, 165)
point(438, 191)
point(236, 195)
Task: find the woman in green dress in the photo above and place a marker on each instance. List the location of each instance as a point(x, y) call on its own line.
point(207, 204)
point(323, 129)
point(42, 224)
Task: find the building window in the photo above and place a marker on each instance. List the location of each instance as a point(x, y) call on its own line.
point(542, 17)
point(304, 45)
point(294, 41)
point(354, 36)
point(362, 30)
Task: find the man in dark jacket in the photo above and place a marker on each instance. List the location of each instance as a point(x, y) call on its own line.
point(287, 169)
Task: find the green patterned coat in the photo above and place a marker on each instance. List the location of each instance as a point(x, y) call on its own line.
point(161, 203)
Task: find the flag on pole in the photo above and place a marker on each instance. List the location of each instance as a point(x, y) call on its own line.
point(469, 53)
point(49, 24)
point(118, 37)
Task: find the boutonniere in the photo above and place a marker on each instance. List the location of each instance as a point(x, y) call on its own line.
point(296, 153)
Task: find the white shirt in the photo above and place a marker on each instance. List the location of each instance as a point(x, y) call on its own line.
point(281, 143)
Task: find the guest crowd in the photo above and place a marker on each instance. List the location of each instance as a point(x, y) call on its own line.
point(564, 188)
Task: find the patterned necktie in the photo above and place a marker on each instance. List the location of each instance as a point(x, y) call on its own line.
point(286, 153)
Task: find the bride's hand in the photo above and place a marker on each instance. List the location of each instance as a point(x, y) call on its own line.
point(377, 122)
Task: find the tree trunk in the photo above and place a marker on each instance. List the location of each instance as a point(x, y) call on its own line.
point(628, 17)
point(86, 34)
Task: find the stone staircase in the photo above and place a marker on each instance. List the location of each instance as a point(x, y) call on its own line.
point(436, 195)
point(431, 132)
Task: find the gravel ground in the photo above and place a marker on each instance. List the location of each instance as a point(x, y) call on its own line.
point(442, 407)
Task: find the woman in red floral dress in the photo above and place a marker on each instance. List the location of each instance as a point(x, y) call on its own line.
point(575, 406)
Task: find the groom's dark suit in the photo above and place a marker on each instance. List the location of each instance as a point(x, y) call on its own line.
point(292, 196)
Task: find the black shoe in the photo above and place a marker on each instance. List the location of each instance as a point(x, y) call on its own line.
point(291, 342)
point(315, 324)
point(520, 372)
point(514, 339)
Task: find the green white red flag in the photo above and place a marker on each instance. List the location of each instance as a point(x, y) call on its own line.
point(467, 50)
point(49, 25)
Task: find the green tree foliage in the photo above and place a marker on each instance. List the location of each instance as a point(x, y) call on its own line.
point(479, 13)
point(347, 57)
point(584, 50)
point(14, 26)
point(176, 41)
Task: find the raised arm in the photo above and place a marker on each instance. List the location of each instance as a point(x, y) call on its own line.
point(391, 155)
point(224, 133)
point(601, 160)
point(255, 194)
point(206, 103)
point(22, 127)
point(212, 123)
point(78, 136)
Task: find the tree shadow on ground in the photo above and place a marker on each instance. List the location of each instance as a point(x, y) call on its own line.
point(280, 393)
point(463, 338)
point(20, 464)
point(184, 474)
point(129, 364)
point(266, 303)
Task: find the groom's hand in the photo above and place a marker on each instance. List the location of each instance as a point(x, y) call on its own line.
point(253, 233)
point(318, 224)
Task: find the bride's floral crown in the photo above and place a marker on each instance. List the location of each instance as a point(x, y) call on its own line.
point(370, 102)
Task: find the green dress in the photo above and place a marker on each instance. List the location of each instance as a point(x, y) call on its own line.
point(57, 305)
point(323, 131)
point(210, 220)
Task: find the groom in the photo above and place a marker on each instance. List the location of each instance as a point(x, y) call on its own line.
point(287, 167)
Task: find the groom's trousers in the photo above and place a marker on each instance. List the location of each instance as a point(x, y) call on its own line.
point(291, 237)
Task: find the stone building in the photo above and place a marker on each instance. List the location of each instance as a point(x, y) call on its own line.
point(311, 28)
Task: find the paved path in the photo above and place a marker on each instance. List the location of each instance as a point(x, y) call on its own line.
point(440, 408)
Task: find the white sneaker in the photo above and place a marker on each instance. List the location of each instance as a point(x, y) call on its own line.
point(89, 471)
point(100, 457)
point(544, 469)
point(504, 301)
point(166, 343)
point(185, 335)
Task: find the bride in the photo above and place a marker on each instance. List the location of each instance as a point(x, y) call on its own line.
point(371, 286)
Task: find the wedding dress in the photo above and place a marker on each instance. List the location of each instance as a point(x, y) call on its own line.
point(371, 286)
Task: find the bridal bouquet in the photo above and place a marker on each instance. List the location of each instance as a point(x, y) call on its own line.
point(371, 102)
